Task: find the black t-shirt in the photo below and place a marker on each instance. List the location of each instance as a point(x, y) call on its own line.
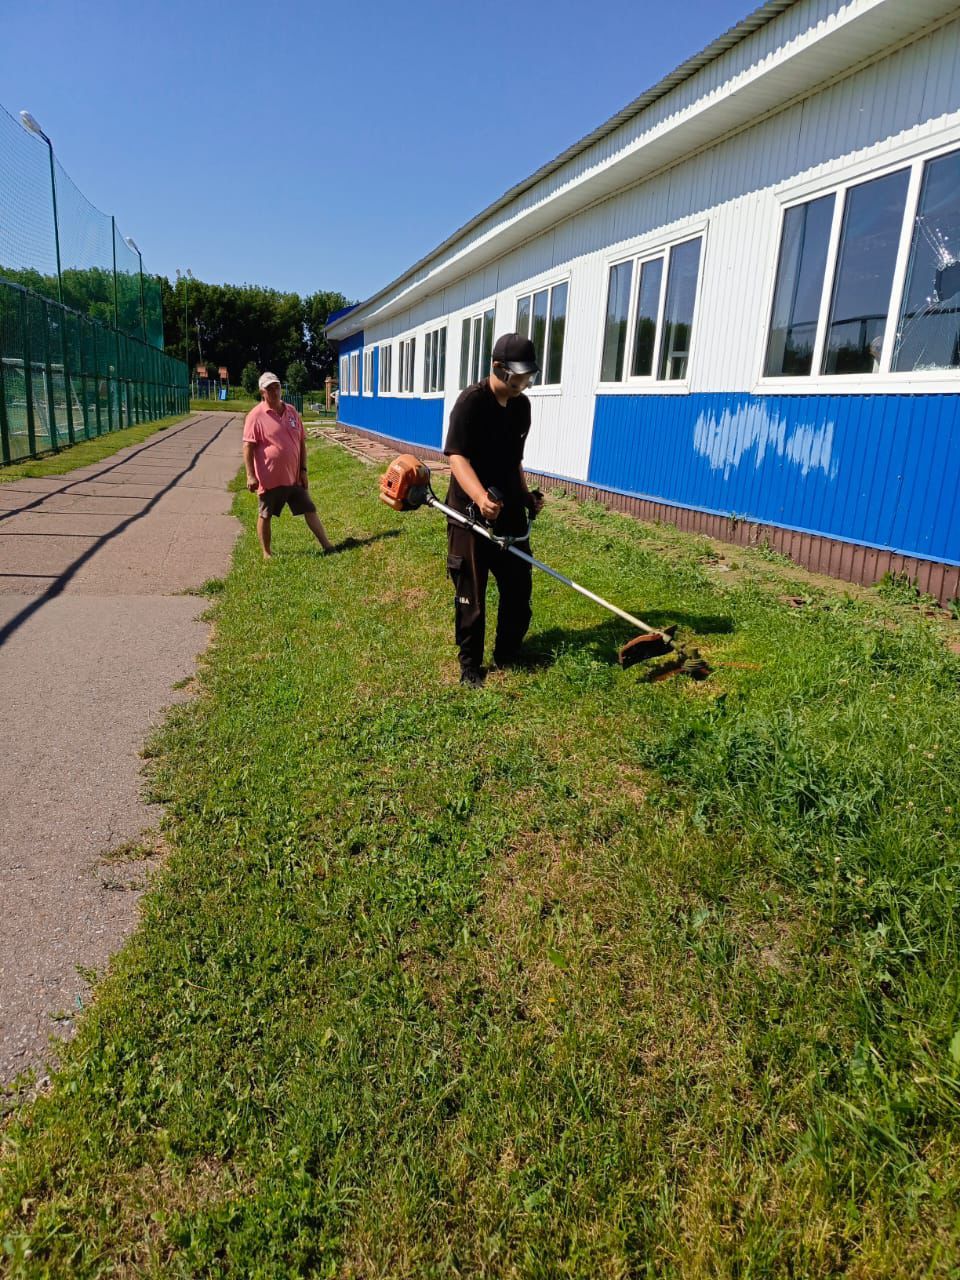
point(491, 437)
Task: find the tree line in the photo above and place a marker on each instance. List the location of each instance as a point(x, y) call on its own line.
point(235, 326)
point(231, 325)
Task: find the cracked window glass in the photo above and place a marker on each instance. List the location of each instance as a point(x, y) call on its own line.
point(928, 334)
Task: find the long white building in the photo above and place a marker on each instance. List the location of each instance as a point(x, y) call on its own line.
point(745, 293)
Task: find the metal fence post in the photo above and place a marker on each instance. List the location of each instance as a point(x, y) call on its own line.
point(116, 320)
point(28, 376)
point(4, 423)
point(48, 377)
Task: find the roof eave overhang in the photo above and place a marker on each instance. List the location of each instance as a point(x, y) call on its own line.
point(818, 56)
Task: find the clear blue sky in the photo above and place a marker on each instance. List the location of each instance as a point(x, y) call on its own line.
point(325, 146)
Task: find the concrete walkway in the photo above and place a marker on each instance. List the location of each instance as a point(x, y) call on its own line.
point(93, 635)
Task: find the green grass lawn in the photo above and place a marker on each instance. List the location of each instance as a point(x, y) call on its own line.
point(86, 452)
point(239, 404)
point(580, 974)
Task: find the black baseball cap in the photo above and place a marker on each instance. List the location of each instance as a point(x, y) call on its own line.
point(516, 353)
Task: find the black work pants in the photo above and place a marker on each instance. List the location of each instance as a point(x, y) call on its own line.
point(470, 560)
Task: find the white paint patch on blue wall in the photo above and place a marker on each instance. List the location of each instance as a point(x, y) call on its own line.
point(724, 440)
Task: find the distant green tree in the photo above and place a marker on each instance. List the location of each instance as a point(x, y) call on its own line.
point(322, 359)
point(249, 378)
point(235, 325)
point(296, 376)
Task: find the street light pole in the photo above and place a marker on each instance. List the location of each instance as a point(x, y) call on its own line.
point(143, 320)
point(28, 122)
point(143, 310)
point(186, 330)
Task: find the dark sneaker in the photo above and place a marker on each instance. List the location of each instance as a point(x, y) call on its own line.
point(473, 676)
point(515, 661)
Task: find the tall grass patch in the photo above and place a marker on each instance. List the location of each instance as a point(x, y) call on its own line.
point(582, 974)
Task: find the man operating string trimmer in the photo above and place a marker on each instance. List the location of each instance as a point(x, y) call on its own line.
point(488, 512)
point(488, 428)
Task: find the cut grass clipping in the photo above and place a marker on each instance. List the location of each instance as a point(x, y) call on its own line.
point(577, 975)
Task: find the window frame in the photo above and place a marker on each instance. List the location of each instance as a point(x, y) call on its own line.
point(541, 388)
point(649, 250)
point(407, 366)
point(385, 366)
point(475, 317)
point(885, 380)
point(431, 339)
point(343, 388)
point(367, 385)
point(354, 373)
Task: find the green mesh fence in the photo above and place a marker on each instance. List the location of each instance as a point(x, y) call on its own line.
point(65, 377)
point(100, 272)
point(81, 326)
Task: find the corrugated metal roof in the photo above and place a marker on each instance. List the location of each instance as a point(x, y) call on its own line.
point(753, 22)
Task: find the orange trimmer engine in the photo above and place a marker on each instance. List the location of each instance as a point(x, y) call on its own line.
point(405, 484)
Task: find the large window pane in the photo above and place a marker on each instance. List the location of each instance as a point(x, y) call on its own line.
point(678, 309)
point(487, 344)
point(928, 335)
point(441, 359)
point(645, 325)
point(538, 330)
point(799, 290)
point(558, 323)
point(428, 343)
point(475, 374)
point(615, 325)
point(465, 355)
point(523, 316)
point(872, 219)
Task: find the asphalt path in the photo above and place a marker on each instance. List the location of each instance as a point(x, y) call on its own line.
point(95, 630)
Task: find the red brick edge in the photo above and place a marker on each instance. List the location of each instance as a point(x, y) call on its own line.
point(849, 561)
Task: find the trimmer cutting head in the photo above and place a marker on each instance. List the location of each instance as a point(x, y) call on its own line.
point(642, 648)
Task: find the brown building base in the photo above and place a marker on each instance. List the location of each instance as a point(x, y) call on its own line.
point(848, 561)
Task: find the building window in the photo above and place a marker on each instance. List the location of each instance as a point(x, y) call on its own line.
point(434, 360)
point(799, 288)
point(615, 323)
point(344, 375)
point(386, 369)
point(870, 235)
point(831, 311)
point(405, 368)
point(368, 371)
point(650, 309)
point(354, 373)
point(476, 343)
point(542, 316)
point(928, 329)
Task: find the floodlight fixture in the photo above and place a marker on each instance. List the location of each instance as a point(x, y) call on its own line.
point(28, 122)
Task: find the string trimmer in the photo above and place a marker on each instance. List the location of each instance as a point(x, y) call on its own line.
point(406, 486)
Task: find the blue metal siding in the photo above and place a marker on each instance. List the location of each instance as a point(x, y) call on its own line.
point(407, 419)
point(353, 343)
point(403, 418)
point(883, 470)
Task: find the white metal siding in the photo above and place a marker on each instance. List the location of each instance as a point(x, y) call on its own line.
point(904, 100)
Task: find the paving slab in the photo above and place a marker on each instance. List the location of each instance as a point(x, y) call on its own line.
point(94, 634)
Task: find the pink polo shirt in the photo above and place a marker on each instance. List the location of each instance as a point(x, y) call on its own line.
point(277, 438)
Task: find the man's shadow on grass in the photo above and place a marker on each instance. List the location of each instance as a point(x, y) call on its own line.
point(349, 544)
point(604, 641)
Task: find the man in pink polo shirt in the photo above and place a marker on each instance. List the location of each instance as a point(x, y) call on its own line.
point(275, 455)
